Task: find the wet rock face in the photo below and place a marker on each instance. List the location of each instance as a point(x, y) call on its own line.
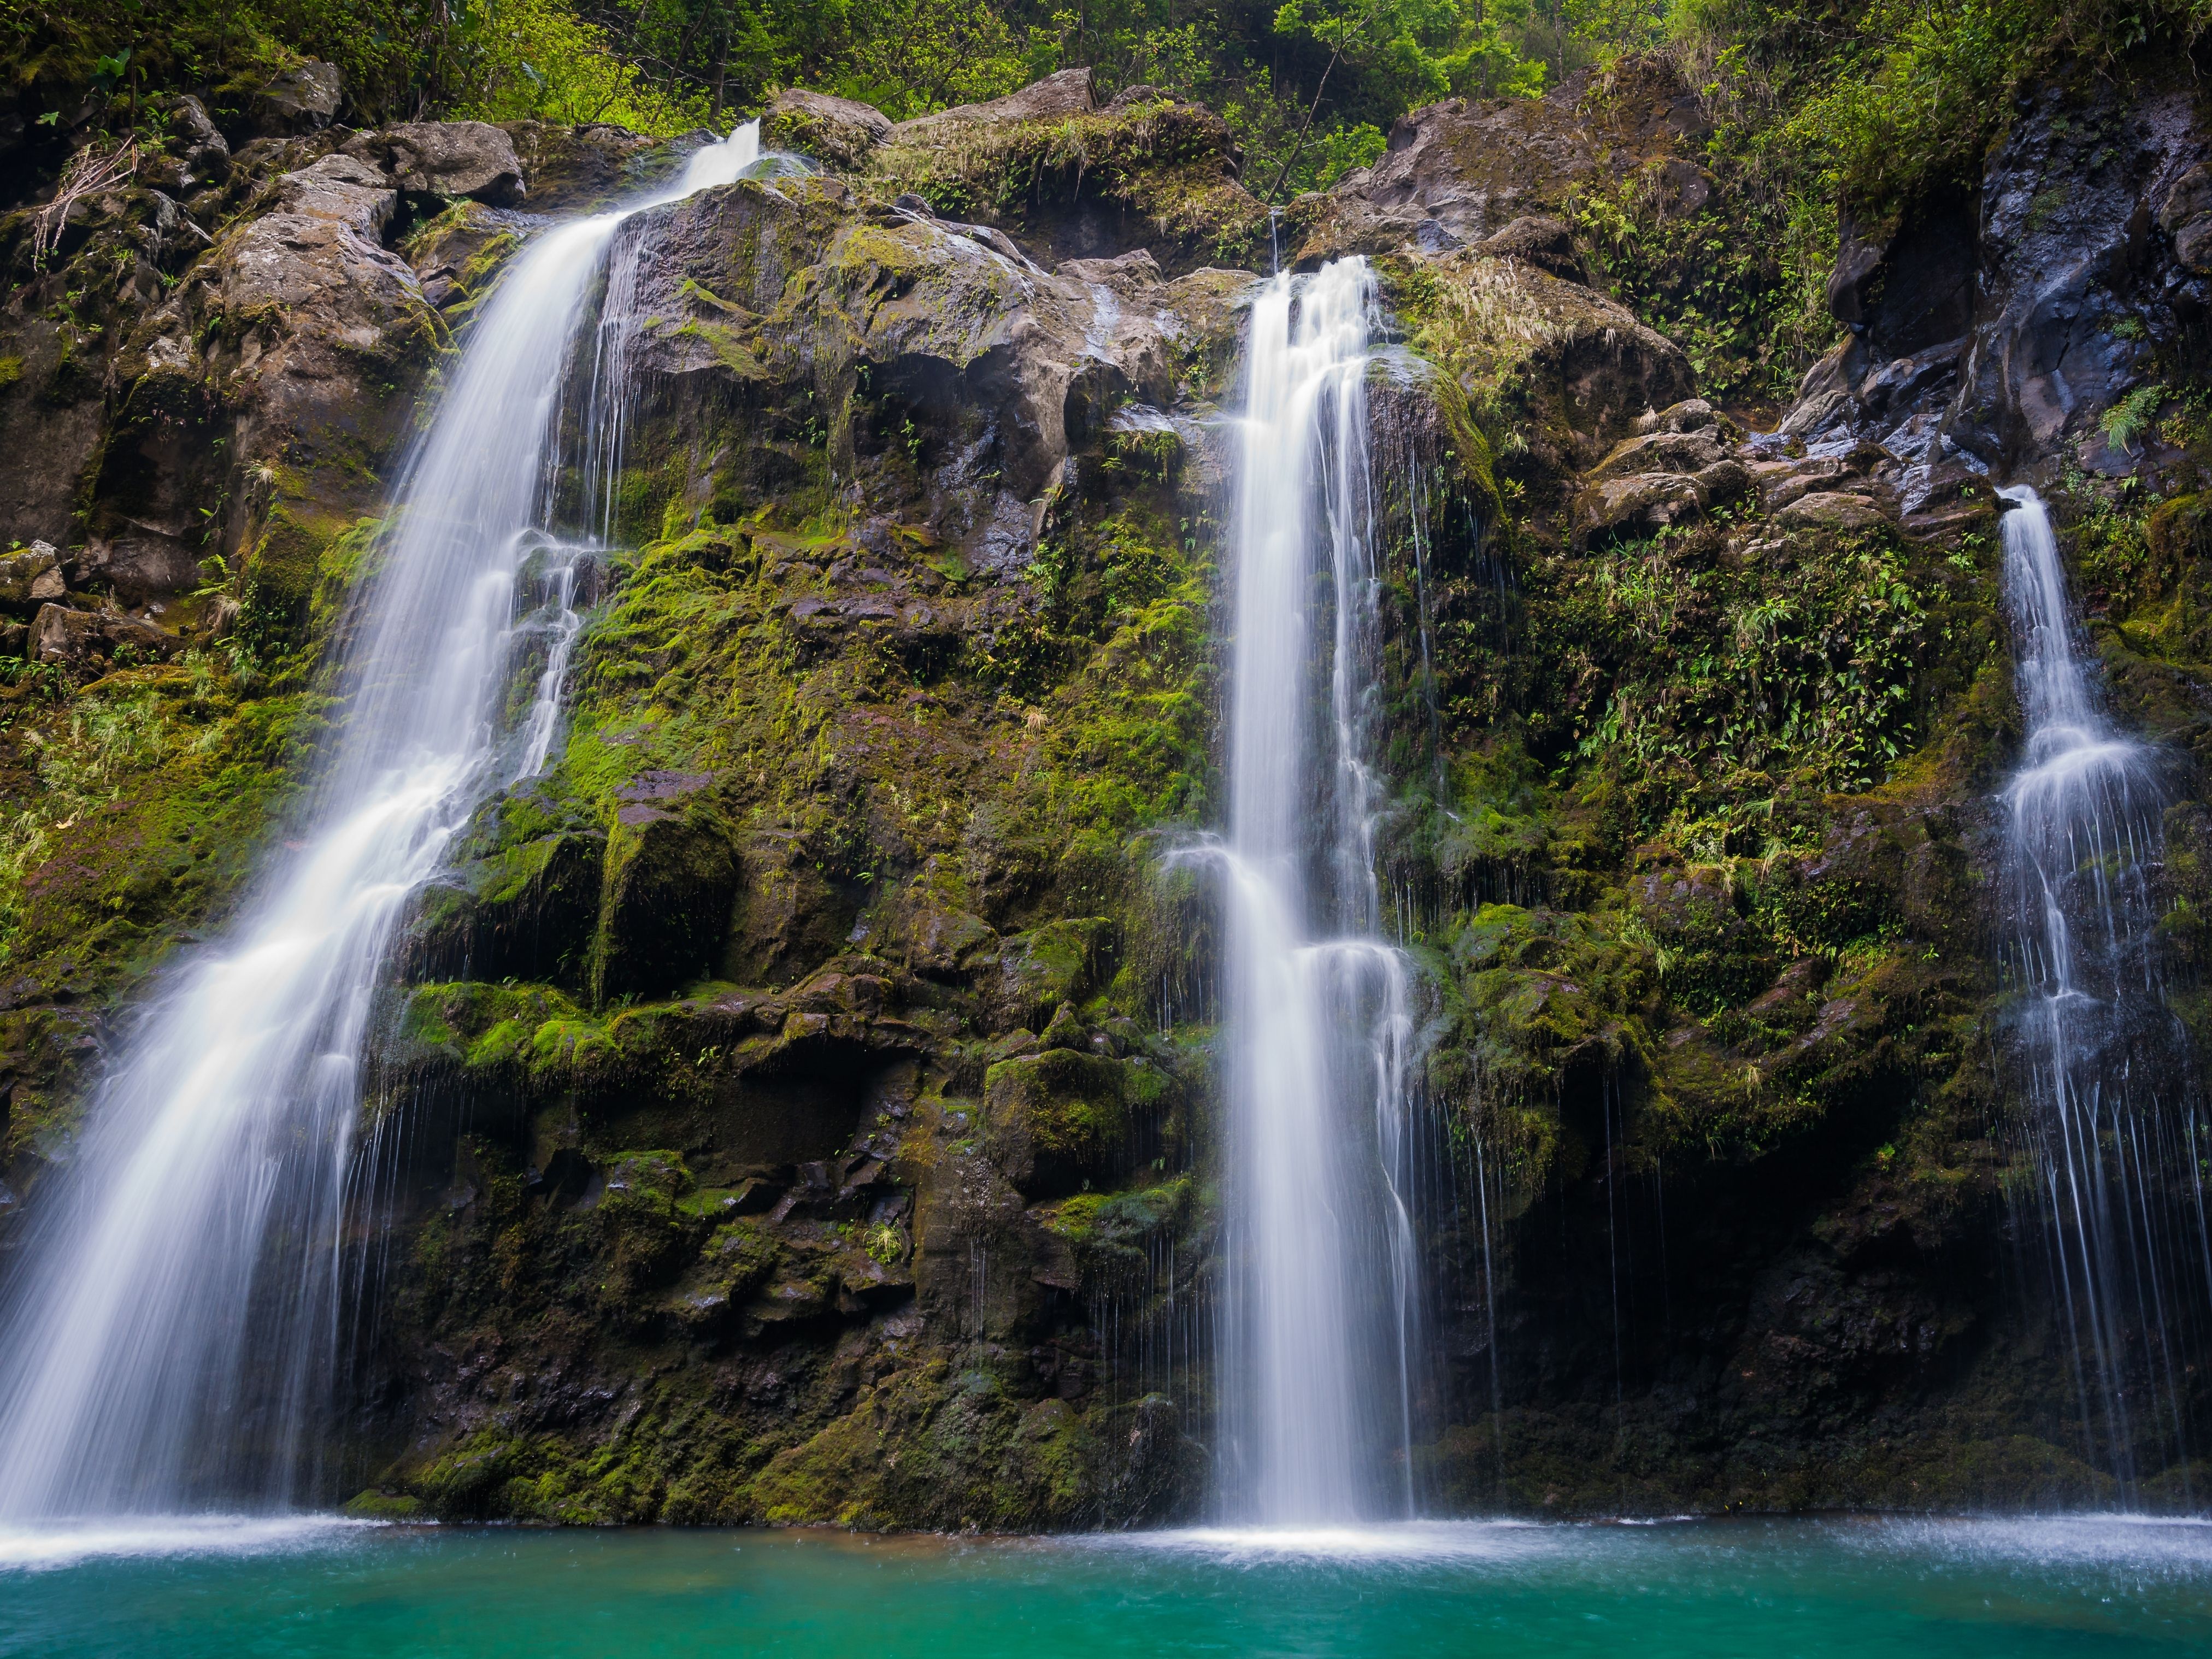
point(807, 1078)
point(2069, 209)
point(1995, 329)
point(1005, 366)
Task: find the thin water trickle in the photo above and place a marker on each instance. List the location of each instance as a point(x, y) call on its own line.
point(1321, 1279)
point(176, 1310)
point(543, 722)
point(2119, 1191)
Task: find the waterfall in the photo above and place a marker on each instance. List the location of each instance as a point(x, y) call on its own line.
point(1319, 1288)
point(2111, 1126)
point(169, 1341)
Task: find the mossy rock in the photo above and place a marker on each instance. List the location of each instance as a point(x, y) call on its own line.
point(1061, 962)
point(668, 883)
point(527, 913)
point(375, 1505)
point(836, 131)
point(1057, 1121)
point(940, 1448)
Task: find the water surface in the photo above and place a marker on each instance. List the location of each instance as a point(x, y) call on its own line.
point(2088, 1586)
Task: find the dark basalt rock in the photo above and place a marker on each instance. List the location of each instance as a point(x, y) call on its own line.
point(2003, 325)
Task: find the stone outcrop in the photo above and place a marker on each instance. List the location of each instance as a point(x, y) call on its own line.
point(296, 338)
point(1009, 367)
point(1463, 170)
point(304, 100)
point(839, 131)
point(1070, 92)
point(1995, 330)
point(445, 158)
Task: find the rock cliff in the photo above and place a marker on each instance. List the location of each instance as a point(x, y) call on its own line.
point(798, 1104)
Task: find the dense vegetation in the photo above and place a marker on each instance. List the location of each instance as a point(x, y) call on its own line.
point(1825, 114)
point(1870, 96)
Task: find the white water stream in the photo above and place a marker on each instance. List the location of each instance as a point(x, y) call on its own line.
point(177, 1306)
point(1317, 1324)
point(2110, 1124)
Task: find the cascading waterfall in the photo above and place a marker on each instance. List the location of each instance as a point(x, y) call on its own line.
point(1317, 1324)
point(176, 1310)
point(2112, 1124)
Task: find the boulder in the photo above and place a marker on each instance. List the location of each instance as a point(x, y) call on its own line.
point(1071, 92)
point(302, 99)
point(1541, 240)
point(30, 575)
point(669, 880)
point(1691, 414)
point(1832, 509)
point(837, 132)
point(88, 641)
point(587, 167)
point(1055, 1122)
point(196, 154)
point(1640, 504)
point(1659, 451)
point(445, 158)
point(1726, 480)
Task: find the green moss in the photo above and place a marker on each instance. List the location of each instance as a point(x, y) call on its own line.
point(374, 1505)
point(1058, 1119)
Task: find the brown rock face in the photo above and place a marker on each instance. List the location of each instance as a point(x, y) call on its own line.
point(296, 338)
point(1470, 168)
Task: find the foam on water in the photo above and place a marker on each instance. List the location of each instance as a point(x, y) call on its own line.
point(1409, 1543)
point(50, 1548)
point(2169, 1546)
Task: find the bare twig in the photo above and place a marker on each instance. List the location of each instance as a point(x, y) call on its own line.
point(88, 171)
point(1299, 149)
